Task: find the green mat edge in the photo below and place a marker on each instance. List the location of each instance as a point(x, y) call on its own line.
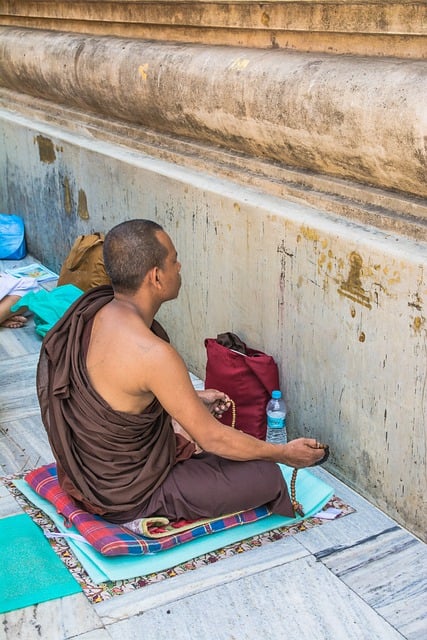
point(69, 586)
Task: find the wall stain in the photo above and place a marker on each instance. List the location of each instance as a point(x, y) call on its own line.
point(418, 323)
point(82, 209)
point(416, 302)
point(265, 19)
point(352, 287)
point(143, 70)
point(68, 201)
point(239, 64)
point(46, 149)
point(310, 234)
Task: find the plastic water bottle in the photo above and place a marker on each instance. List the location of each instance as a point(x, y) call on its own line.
point(276, 419)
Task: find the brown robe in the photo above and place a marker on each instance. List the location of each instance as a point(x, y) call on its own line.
point(124, 466)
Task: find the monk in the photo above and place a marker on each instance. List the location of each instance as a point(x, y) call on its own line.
point(111, 386)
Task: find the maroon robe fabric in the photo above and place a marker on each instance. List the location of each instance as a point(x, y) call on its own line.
point(111, 462)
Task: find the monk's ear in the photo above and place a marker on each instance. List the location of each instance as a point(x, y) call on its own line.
point(153, 277)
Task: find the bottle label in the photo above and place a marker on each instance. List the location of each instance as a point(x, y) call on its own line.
point(274, 422)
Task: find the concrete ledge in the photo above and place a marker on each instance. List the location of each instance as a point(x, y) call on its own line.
point(385, 210)
point(356, 118)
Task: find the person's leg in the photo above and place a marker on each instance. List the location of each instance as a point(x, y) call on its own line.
point(7, 317)
point(207, 486)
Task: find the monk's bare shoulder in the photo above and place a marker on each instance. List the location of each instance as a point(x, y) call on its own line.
point(123, 353)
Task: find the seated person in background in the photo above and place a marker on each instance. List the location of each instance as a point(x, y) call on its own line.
point(110, 384)
point(11, 290)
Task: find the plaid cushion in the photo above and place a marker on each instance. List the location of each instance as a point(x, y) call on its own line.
point(115, 540)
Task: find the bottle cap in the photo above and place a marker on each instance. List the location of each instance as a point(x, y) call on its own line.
point(276, 394)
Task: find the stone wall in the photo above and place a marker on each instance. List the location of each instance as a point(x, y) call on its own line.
point(282, 145)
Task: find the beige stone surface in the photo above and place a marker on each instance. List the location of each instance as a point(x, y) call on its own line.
point(348, 117)
point(362, 27)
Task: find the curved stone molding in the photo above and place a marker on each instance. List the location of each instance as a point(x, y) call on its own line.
point(361, 27)
point(362, 119)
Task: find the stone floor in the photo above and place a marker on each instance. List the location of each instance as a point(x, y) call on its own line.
point(360, 577)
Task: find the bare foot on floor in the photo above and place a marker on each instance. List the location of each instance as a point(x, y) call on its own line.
point(15, 322)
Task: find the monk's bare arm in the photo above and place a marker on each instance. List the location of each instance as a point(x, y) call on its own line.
point(169, 381)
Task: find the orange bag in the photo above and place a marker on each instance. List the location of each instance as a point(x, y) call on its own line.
point(84, 265)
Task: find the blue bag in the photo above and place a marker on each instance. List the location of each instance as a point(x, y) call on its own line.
point(12, 237)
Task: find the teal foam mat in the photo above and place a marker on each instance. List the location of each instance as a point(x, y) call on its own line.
point(30, 570)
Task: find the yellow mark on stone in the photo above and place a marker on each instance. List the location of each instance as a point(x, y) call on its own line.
point(236, 206)
point(352, 287)
point(82, 209)
point(362, 337)
point(142, 70)
point(418, 322)
point(265, 19)
point(395, 280)
point(68, 203)
point(46, 149)
point(239, 64)
point(310, 234)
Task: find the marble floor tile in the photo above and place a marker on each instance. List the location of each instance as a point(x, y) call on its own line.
point(53, 620)
point(97, 634)
point(23, 445)
point(186, 584)
point(16, 343)
point(365, 522)
point(8, 504)
point(301, 600)
point(389, 572)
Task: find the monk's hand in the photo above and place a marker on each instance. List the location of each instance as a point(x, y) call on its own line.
point(216, 401)
point(303, 452)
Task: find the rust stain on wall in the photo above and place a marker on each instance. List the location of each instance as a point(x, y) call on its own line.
point(418, 323)
point(82, 209)
point(46, 149)
point(68, 202)
point(309, 234)
point(265, 19)
point(352, 287)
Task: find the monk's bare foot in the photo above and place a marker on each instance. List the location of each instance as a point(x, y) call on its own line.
point(15, 322)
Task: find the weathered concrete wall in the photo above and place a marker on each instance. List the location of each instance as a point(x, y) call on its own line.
point(340, 306)
point(332, 115)
point(357, 27)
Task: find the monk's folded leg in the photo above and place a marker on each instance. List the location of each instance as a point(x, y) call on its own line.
point(207, 486)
